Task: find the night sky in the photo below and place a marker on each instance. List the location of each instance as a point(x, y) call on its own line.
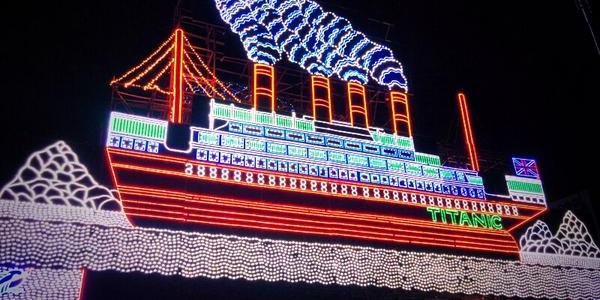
point(529, 69)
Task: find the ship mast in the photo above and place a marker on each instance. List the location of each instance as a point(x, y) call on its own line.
point(176, 99)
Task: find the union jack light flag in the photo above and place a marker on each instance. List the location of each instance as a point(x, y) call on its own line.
point(525, 167)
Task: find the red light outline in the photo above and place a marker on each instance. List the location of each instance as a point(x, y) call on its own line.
point(525, 221)
point(323, 82)
point(114, 176)
point(402, 98)
point(161, 193)
point(269, 92)
point(466, 122)
point(314, 212)
point(177, 79)
point(241, 224)
point(355, 88)
point(82, 286)
point(175, 173)
point(171, 159)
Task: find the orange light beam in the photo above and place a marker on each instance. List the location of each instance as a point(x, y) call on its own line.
point(466, 122)
point(177, 79)
point(321, 82)
point(355, 88)
point(269, 92)
point(402, 98)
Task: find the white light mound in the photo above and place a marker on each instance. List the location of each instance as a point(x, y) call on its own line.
point(538, 238)
point(575, 238)
point(54, 175)
point(572, 238)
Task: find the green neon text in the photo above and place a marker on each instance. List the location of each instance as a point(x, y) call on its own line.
point(463, 218)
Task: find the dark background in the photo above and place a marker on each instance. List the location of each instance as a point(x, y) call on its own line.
point(529, 68)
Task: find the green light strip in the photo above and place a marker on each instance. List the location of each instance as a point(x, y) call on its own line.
point(428, 159)
point(475, 180)
point(138, 128)
point(525, 187)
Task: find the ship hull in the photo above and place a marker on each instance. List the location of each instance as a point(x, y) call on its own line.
point(175, 189)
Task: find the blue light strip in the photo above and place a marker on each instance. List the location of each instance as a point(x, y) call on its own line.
point(258, 154)
point(328, 170)
point(321, 161)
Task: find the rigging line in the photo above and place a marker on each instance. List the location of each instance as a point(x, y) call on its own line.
point(145, 60)
point(226, 90)
point(582, 7)
point(152, 83)
point(202, 77)
point(139, 76)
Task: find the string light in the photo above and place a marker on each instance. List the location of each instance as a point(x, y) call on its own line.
point(320, 42)
point(262, 91)
point(572, 240)
point(58, 243)
point(176, 213)
point(198, 75)
point(259, 45)
point(135, 76)
point(150, 67)
point(207, 69)
point(144, 61)
point(305, 220)
point(54, 175)
point(195, 78)
point(38, 235)
point(151, 85)
point(176, 99)
point(357, 91)
point(42, 283)
point(189, 84)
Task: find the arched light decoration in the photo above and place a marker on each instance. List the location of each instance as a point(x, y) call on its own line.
point(320, 42)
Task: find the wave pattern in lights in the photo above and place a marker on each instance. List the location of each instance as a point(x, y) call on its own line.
point(319, 41)
point(258, 43)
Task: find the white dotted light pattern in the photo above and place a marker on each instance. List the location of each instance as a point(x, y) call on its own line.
point(30, 238)
point(572, 238)
point(54, 175)
point(572, 245)
point(53, 241)
point(46, 283)
point(319, 41)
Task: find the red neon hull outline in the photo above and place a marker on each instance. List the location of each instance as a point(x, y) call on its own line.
point(175, 206)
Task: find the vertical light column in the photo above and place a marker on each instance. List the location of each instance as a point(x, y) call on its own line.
point(264, 87)
point(400, 112)
point(176, 115)
point(466, 122)
point(357, 104)
point(321, 96)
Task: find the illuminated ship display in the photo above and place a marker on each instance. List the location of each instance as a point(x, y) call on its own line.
point(248, 167)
